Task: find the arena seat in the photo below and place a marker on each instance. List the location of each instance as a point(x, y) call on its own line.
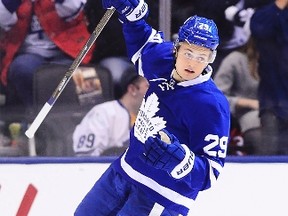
point(54, 136)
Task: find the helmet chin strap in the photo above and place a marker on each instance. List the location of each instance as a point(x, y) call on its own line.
point(179, 75)
point(176, 54)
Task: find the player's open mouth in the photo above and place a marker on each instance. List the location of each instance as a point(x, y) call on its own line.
point(189, 71)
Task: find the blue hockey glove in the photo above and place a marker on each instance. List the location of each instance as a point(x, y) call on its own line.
point(128, 10)
point(174, 158)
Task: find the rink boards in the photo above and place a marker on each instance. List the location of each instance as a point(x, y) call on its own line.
point(55, 186)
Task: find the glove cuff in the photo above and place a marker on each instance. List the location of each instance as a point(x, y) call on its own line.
point(138, 13)
point(186, 165)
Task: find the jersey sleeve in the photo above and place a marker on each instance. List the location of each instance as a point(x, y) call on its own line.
point(209, 142)
point(136, 34)
point(147, 49)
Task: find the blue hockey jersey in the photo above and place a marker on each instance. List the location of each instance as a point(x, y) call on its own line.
point(195, 111)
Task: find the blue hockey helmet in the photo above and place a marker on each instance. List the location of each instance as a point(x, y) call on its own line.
point(199, 31)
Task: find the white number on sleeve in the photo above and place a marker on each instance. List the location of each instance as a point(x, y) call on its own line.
point(216, 141)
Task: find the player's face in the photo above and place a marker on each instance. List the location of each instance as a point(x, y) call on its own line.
point(191, 61)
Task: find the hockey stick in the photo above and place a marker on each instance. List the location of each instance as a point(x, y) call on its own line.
point(49, 104)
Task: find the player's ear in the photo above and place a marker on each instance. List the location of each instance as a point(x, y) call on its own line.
point(213, 56)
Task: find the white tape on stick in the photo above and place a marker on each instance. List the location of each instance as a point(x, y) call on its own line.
point(38, 120)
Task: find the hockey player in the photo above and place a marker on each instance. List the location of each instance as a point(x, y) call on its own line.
point(179, 140)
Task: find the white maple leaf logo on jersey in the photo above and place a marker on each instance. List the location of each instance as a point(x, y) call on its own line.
point(147, 123)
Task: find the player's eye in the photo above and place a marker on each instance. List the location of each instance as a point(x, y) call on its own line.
point(188, 55)
point(191, 56)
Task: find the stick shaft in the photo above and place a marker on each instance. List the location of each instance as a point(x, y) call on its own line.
point(59, 89)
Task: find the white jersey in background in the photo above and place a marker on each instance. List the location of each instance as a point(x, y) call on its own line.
point(104, 126)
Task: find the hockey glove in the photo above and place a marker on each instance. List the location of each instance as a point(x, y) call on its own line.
point(169, 156)
point(128, 10)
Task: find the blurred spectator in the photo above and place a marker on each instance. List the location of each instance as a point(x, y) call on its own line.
point(117, 66)
point(237, 77)
point(105, 128)
point(229, 15)
point(180, 11)
point(38, 32)
point(269, 27)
